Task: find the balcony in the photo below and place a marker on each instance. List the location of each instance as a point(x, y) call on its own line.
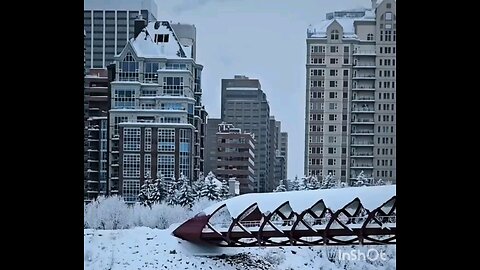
point(361, 166)
point(364, 109)
point(360, 144)
point(363, 121)
point(364, 65)
point(361, 155)
point(362, 132)
point(364, 88)
point(364, 77)
point(364, 52)
point(364, 99)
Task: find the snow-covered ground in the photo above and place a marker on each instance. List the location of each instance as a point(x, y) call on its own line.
point(147, 248)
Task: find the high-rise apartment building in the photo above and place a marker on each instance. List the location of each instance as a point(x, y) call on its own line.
point(233, 156)
point(283, 147)
point(245, 105)
point(96, 106)
point(157, 120)
point(350, 114)
point(109, 24)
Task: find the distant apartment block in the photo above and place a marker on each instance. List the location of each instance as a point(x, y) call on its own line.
point(350, 114)
point(109, 24)
point(233, 156)
point(96, 106)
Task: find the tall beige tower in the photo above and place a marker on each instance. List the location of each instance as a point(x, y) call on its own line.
point(350, 114)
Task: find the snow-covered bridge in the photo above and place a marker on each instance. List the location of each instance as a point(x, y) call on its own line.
point(347, 216)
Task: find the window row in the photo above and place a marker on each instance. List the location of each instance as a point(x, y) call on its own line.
point(386, 73)
point(386, 84)
point(385, 118)
point(384, 140)
point(384, 162)
point(385, 173)
point(386, 95)
point(385, 129)
point(384, 151)
point(386, 107)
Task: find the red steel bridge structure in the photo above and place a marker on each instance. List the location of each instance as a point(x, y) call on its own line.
point(346, 216)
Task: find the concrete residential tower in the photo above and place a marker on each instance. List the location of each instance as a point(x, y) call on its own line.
point(350, 114)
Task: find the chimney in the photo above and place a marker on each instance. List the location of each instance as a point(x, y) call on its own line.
point(374, 5)
point(139, 24)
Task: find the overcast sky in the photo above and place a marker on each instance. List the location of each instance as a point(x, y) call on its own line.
point(262, 39)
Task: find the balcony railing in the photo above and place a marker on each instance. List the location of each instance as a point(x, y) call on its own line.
point(364, 65)
point(364, 99)
point(363, 109)
point(364, 52)
point(363, 87)
point(355, 132)
point(362, 121)
point(361, 154)
point(364, 77)
point(361, 166)
point(362, 143)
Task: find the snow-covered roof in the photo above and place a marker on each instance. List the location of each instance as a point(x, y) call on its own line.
point(370, 197)
point(320, 30)
point(145, 46)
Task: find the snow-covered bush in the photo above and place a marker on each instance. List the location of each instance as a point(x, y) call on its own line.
point(275, 256)
point(109, 213)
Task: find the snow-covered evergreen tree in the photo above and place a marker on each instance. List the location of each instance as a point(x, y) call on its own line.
point(311, 182)
point(280, 187)
point(329, 182)
point(198, 185)
point(211, 188)
point(151, 191)
point(184, 195)
point(296, 184)
point(172, 195)
point(224, 192)
point(361, 180)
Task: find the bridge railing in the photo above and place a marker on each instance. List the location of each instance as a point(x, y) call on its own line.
point(311, 222)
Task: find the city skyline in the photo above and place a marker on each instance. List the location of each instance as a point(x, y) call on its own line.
point(263, 40)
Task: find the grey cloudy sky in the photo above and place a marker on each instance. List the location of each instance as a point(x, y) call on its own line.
point(262, 39)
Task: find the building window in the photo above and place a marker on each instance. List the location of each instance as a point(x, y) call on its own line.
point(333, 49)
point(334, 35)
point(346, 60)
point(333, 83)
point(148, 139)
point(332, 139)
point(173, 86)
point(317, 60)
point(332, 106)
point(166, 139)
point(118, 120)
point(345, 84)
point(370, 36)
point(317, 49)
point(131, 139)
point(346, 49)
point(389, 5)
point(333, 60)
point(332, 161)
point(124, 99)
point(333, 94)
point(332, 128)
point(131, 189)
point(131, 165)
point(317, 72)
point(345, 72)
point(128, 69)
point(332, 172)
point(161, 38)
point(332, 117)
point(332, 150)
point(151, 75)
point(185, 149)
point(333, 72)
point(388, 16)
point(166, 165)
point(316, 83)
point(147, 166)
